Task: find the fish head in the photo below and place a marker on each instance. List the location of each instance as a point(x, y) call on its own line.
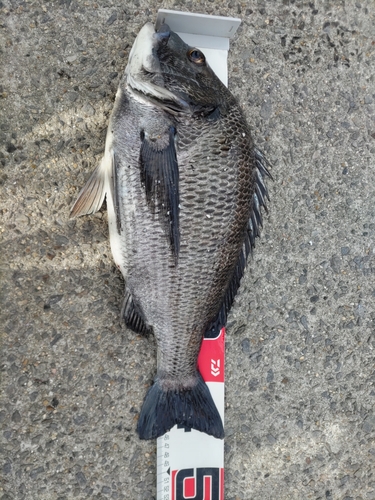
point(164, 71)
point(186, 72)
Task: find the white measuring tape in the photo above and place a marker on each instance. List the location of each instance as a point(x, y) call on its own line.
point(190, 464)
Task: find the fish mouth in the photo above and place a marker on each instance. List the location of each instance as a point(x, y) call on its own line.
point(143, 74)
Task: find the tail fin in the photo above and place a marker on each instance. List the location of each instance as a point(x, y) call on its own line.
point(192, 408)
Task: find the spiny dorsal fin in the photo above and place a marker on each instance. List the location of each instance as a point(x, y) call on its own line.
point(253, 230)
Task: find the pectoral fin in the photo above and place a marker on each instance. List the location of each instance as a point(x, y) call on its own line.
point(160, 176)
point(91, 196)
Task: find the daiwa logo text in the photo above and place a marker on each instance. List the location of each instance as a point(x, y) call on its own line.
point(204, 483)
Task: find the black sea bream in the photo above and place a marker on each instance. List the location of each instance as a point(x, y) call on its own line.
point(184, 186)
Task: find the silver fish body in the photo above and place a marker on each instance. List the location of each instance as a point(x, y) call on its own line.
point(185, 187)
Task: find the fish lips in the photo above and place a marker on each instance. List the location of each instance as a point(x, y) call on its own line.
point(142, 55)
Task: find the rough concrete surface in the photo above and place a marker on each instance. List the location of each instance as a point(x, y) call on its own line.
point(300, 417)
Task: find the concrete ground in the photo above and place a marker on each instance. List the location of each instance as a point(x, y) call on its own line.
point(300, 417)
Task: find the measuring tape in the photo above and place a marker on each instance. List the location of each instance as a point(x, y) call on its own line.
point(190, 464)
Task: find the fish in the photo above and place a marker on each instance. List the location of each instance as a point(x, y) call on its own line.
point(185, 187)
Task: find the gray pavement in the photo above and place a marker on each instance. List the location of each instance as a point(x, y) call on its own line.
point(300, 418)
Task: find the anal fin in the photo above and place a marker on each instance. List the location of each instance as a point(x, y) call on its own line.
point(133, 317)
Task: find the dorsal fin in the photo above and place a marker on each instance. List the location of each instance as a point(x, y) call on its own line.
point(253, 230)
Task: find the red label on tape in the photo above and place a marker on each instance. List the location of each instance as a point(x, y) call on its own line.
point(211, 358)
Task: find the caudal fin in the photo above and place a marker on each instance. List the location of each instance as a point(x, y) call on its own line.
point(192, 408)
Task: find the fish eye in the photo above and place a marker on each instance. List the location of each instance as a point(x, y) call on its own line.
point(196, 56)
